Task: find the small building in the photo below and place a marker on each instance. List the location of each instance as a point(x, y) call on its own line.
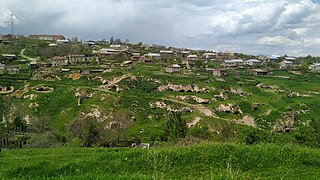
point(260, 72)
point(155, 56)
point(2, 68)
point(9, 57)
point(12, 70)
point(135, 56)
point(192, 57)
point(173, 68)
point(273, 59)
point(145, 60)
point(233, 63)
point(65, 70)
point(285, 64)
point(62, 41)
point(184, 54)
point(253, 62)
point(47, 37)
point(77, 58)
point(218, 72)
point(315, 67)
point(39, 65)
point(165, 55)
point(115, 46)
point(209, 56)
point(58, 61)
point(127, 64)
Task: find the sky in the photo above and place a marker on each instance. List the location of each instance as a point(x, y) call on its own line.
point(255, 27)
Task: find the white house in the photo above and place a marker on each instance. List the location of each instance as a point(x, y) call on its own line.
point(315, 67)
point(253, 62)
point(233, 63)
point(285, 64)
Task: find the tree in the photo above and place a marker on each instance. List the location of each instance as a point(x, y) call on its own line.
point(175, 127)
point(119, 127)
point(87, 129)
point(111, 40)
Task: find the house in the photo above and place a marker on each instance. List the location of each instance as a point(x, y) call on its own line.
point(9, 57)
point(253, 62)
point(47, 37)
point(209, 56)
point(12, 70)
point(153, 56)
point(77, 58)
point(127, 64)
point(260, 72)
point(135, 56)
point(184, 54)
point(62, 41)
point(315, 67)
point(233, 63)
point(65, 70)
point(218, 72)
point(273, 59)
point(2, 68)
point(115, 46)
point(58, 61)
point(38, 65)
point(165, 55)
point(286, 64)
point(192, 57)
point(174, 68)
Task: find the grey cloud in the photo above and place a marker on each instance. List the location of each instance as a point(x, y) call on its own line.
point(208, 24)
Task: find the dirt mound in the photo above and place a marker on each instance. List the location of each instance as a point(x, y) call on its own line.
point(182, 88)
point(6, 90)
point(247, 120)
point(163, 105)
point(19, 93)
point(195, 98)
point(74, 76)
point(194, 122)
point(229, 108)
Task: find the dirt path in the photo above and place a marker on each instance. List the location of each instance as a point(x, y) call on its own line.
point(27, 57)
point(116, 81)
point(194, 122)
point(206, 111)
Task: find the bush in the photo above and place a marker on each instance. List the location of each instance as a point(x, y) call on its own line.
point(175, 127)
point(43, 140)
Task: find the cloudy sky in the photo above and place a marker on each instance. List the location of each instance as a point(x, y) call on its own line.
point(249, 26)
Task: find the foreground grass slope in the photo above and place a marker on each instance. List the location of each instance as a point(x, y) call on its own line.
point(207, 161)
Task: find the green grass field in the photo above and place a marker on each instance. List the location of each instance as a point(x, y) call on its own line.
point(207, 161)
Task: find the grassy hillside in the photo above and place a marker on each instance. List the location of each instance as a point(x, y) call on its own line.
point(207, 161)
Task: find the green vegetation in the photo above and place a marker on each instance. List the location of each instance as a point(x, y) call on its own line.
point(218, 161)
point(247, 126)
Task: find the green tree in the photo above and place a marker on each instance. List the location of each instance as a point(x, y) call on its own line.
point(111, 40)
point(87, 129)
point(175, 127)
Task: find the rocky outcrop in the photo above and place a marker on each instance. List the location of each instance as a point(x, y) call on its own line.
point(229, 108)
point(286, 124)
point(198, 100)
point(81, 95)
point(163, 105)
point(182, 88)
point(43, 89)
point(239, 92)
point(221, 96)
point(6, 90)
point(247, 120)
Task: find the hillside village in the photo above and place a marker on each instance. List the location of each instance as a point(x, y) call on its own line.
point(129, 89)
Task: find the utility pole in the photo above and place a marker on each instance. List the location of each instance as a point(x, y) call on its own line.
point(11, 14)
